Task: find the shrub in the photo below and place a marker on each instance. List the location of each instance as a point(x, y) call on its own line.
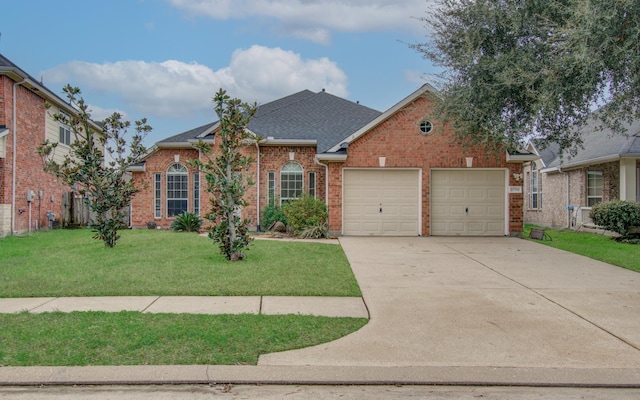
point(316, 232)
point(187, 222)
point(617, 216)
point(304, 212)
point(271, 214)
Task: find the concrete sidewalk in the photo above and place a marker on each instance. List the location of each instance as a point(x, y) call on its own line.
point(446, 311)
point(267, 305)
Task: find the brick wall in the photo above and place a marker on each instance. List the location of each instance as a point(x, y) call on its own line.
point(272, 158)
point(401, 142)
point(143, 204)
point(554, 212)
point(30, 132)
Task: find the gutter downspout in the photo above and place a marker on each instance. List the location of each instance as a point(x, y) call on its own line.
point(258, 186)
point(13, 158)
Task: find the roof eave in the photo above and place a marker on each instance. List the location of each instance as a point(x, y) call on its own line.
point(592, 161)
point(137, 168)
point(521, 158)
point(174, 145)
point(25, 79)
point(269, 141)
point(331, 157)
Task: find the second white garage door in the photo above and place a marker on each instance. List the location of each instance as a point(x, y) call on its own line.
point(381, 202)
point(468, 202)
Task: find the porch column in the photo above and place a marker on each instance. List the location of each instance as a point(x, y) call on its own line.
point(628, 180)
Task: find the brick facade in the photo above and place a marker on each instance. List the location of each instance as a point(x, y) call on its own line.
point(554, 211)
point(398, 139)
point(403, 145)
point(29, 174)
point(272, 159)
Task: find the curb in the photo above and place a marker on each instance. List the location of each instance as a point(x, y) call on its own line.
point(321, 375)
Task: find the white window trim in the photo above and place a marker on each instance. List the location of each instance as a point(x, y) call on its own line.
point(185, 174)
point(284, 199)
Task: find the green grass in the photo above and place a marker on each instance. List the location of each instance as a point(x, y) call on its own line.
point(131, 338)
point(165, 263)
point(592, 245)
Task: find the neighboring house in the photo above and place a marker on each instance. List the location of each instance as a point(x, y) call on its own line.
point(28, 195)
point(561, 189)
point(396, 173)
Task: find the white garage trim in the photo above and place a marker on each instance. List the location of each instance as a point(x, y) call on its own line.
point(469, 201)
point(382, 201)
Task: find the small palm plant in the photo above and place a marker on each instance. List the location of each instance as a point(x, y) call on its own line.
point(187, 222)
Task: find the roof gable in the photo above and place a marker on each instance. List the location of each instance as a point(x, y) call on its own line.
point(424, 89)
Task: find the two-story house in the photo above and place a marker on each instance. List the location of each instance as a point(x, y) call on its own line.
point(30, 198)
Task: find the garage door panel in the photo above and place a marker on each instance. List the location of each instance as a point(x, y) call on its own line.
point(366, 191)
point(468, 202)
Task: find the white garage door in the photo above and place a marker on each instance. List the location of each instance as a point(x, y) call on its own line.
point(468, 202)
point(381, 202)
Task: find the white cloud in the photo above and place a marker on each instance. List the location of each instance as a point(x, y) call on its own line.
point(314, 19)
point(99, 114)
point(180, 90)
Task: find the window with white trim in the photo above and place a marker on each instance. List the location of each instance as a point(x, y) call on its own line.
point(290, 182)
point(534, 193)
point(196, 193)
point(64, 130)
point(272, 188)
point(312, 184)
point(157, 195)
point(594, 188)
point(177, 190)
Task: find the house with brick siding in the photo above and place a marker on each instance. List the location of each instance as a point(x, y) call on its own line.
point(560, 189)
point(395, 173)
point(28, 195)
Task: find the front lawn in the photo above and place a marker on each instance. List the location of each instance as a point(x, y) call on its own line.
point(592, 245)
point(165, 263)
point(132, 338)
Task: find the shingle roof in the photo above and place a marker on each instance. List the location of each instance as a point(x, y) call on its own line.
point(304, 115)
point(598, 144)
point(190, 134)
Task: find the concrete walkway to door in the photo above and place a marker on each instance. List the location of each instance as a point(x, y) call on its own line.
point(486, 302)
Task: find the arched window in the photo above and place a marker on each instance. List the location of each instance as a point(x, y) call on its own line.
point(177, 190)
point(290, 182)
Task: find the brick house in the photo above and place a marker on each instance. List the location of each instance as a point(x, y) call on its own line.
point(27, 193)
point(560, 190)
point(393, 173)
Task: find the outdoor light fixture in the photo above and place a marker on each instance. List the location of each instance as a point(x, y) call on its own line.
point(517, 176)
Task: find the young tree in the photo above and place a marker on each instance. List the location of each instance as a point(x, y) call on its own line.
point(225, 175)
point(517, 69)
point(104, 184)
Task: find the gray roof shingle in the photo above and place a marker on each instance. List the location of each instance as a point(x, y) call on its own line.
point(598, 143)
point(302, 116)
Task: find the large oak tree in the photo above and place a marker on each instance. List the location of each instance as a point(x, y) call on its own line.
point(521, 69)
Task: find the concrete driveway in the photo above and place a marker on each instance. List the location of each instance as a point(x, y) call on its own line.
point(485, 302)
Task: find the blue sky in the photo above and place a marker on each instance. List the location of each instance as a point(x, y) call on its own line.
point(164, 59)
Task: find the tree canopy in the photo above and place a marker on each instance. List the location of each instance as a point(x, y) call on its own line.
point(225, 171)
point(522, 69)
